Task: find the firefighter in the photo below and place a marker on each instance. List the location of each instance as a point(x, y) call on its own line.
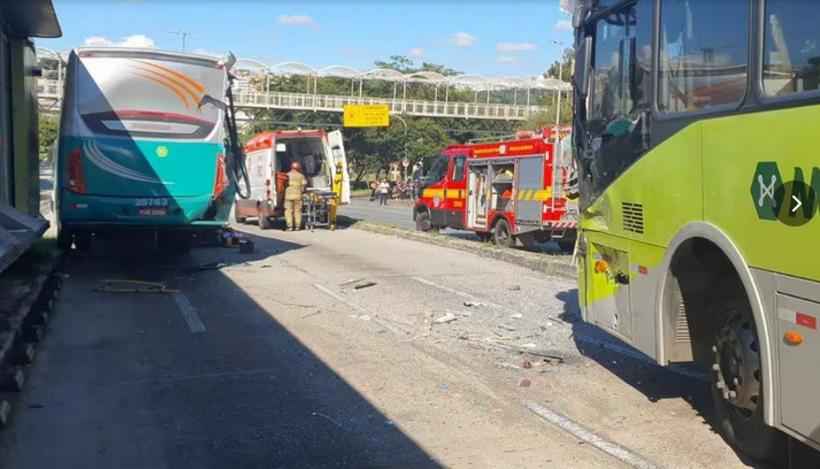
point(293, 197)
point(337, 195)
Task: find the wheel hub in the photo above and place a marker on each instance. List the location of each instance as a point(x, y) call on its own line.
point(737, 365)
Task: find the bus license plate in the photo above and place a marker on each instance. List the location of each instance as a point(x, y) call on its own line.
point(153, 212)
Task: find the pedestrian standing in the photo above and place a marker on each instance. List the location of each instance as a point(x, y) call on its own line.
point(293, 197)
point(383, 190)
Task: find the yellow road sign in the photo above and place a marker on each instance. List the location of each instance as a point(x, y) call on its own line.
point(366, 115)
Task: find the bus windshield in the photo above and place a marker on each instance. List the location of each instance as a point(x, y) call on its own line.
point(148, 95)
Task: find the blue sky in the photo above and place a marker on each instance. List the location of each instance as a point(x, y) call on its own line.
point(491, 37)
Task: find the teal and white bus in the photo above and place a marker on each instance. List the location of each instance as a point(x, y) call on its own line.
point(142, 146)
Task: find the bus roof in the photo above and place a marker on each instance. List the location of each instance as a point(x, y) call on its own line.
point(143, 52)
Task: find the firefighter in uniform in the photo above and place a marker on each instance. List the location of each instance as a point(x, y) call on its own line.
point(293, 197)
point(337, 195)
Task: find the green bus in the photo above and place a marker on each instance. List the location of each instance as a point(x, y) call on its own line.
point(693, 133)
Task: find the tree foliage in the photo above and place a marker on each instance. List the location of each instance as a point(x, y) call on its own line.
point(49, 126)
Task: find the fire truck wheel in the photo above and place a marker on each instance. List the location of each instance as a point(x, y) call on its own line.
point(423, 222)
point(501, 234)
point(737, 387)
point(529, 241)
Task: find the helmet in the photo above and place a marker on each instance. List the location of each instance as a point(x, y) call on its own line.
point(296, 165)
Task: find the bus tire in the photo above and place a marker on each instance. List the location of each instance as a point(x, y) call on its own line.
point(736, 384)
point(423, 222)
point(502, 235)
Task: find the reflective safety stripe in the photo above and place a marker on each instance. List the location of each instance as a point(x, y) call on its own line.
point(533, 194)
point(433, 193)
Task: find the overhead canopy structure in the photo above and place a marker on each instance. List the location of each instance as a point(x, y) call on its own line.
point(475, 82)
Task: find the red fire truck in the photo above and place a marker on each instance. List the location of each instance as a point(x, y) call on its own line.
point(505, 191)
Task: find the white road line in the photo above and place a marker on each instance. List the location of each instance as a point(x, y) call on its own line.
point(613, 449)
point(454, 292)
point(189, 314)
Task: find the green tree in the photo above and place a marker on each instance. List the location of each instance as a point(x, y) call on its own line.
point(49, 126)
point(566, 62)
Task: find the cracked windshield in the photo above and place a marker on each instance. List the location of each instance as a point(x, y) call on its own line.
point(409, 234)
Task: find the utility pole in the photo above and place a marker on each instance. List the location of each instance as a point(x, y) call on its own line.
point(183, 35)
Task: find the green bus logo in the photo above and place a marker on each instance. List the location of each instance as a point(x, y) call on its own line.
point(793, 203)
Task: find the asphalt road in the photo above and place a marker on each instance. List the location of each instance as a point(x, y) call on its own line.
point(397, 213)
point(278, 360)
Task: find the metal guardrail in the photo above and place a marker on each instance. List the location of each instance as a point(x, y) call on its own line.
point(52, 90)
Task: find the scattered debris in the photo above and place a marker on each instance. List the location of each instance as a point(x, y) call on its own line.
point(471, 304)
point(509, 365)
point(515, 288)
point(449, 317)
point(312, 314)
point(517, 316)
point(132, 286)
point(506, 327)
point(363, 285)
point(364, 317)
point(528, 345)
point(524, 383)
point(216, 265)
point(351, 282)
point(526, 364)
point(319, 414)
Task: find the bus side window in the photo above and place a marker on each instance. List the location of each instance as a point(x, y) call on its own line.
point(620, 97)
point(791, 60)
point(458, 169)
point(703, 54)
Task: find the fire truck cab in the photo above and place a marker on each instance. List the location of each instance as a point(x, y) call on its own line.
point(503, 191)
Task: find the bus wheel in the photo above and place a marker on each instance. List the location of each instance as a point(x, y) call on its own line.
point(501, 234)
point(423, 222)
point(737, 388)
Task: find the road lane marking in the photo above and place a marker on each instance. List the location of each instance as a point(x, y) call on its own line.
point(189, 314)
point(454, 292)
point(615, 450)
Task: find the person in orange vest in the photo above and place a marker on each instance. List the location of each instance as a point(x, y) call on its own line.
point(293, 197)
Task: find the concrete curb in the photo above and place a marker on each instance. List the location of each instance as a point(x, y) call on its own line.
point(538, 262)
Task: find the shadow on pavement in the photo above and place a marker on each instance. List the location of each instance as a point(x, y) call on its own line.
point(129, 385)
